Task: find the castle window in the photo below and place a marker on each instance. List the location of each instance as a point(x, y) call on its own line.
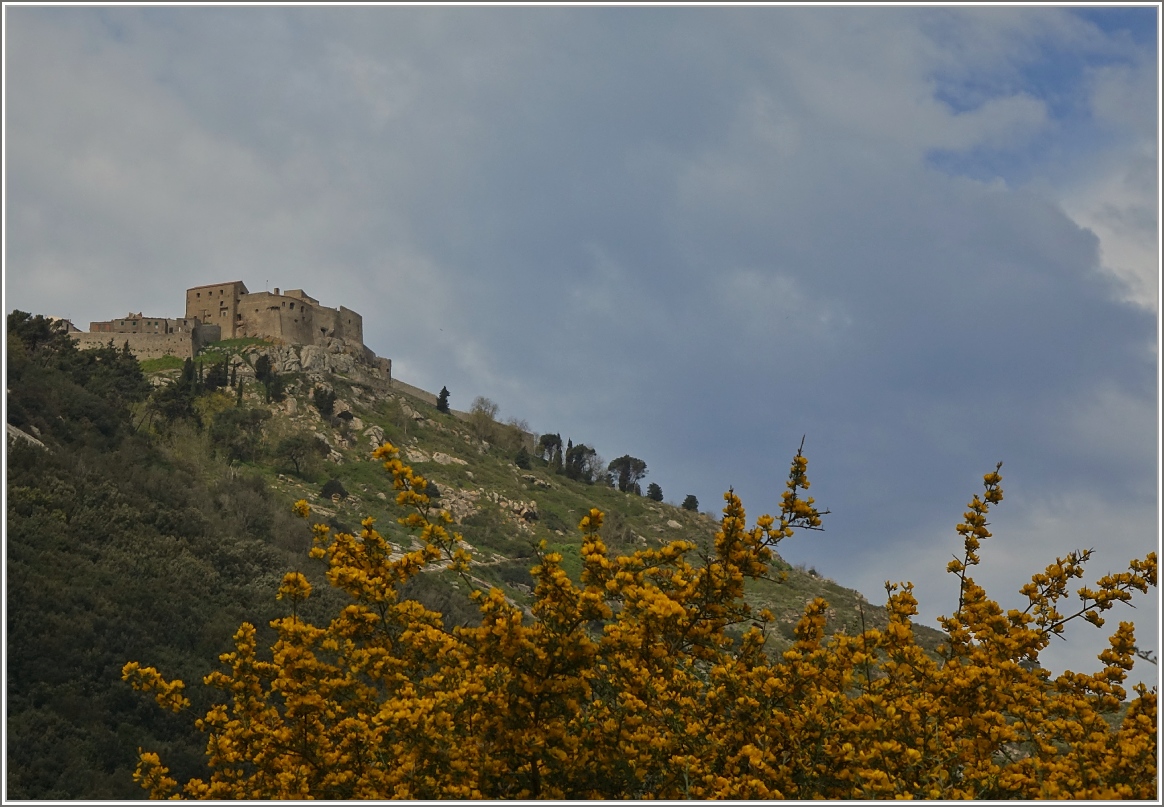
point(293, 308)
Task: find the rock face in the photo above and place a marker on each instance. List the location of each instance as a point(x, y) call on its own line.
point(331, 356)
point(446, 459)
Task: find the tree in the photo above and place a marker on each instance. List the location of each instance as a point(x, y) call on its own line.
point(175, 401)
point(274, 386)
point(583, 463)
point(262, 368)
point(272, 382)
point(442, 403)
point(550, 449)
point(324, 400)
point(77, 396)
point(627, 685)
point(299, 449)
point(483, 418)
point(217, 377)
point(238, 432)
point(522, 458)
point(654, 492)
point(691, 503)
point(629, 470)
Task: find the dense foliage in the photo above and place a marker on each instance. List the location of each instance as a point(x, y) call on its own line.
point(115, 549)
point(628, 686)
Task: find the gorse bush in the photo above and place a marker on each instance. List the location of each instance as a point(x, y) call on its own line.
point(630, 684)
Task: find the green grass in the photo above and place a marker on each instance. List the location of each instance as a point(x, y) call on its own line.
point(214, 352)
point(164, 363)
point(234, 345)
point(503, 551)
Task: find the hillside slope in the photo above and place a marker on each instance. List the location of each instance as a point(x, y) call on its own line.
point(148, 516)
point(501, 510)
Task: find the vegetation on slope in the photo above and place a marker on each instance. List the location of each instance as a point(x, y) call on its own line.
point(156, 518)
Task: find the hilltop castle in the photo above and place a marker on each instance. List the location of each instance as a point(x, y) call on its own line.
point(229, 311)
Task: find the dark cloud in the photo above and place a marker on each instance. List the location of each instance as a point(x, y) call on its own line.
point(926, 239)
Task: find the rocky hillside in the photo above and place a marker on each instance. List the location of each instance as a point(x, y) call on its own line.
point(501, 510)
point(147, 517)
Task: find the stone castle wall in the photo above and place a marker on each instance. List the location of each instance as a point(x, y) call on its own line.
point(142, 345)
point(229, 311)
point(276, 316)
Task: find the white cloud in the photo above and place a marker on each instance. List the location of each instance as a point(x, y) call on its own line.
point(1029, 533)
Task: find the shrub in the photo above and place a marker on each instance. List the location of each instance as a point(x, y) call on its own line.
point(631, 684)
point(324, 400)
point(331, 487)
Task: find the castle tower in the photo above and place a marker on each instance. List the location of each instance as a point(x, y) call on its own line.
point(217, 304)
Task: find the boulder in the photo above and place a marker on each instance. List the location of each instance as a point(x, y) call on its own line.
point(375, 436)
point(446, 459)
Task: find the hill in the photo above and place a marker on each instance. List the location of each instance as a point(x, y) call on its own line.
point(501, 509)
point(149, 514)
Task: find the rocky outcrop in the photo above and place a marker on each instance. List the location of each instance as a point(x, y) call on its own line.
point(15, 434)
point(416, 455)
point(331, 357)
point(460, 503)
point(525, 512)
point(375, 436)
point(447, 459)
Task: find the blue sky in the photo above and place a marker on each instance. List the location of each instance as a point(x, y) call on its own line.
point(927, 239)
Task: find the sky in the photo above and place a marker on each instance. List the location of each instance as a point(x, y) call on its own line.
point(923, 239)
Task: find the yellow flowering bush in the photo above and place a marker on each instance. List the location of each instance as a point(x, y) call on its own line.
point(627, 685)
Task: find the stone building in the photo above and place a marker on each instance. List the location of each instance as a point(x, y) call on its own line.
point(293, 316)
point(229, 311)
point(150, 337)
